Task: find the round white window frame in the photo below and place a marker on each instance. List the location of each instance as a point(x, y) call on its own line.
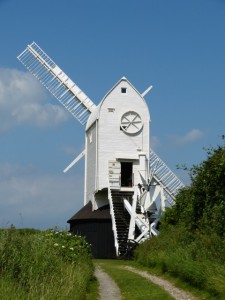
point(133, 128)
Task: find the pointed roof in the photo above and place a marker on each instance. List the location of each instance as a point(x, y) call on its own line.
point(95, 114)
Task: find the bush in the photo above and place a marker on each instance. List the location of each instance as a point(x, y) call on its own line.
point(201, 206)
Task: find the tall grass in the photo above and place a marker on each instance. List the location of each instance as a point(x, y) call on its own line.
point(43, 265)
point(197, 259)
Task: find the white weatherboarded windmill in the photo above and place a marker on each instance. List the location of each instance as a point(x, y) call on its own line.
point(123, 175)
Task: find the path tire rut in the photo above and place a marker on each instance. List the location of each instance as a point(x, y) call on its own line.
point(108, 289)
point(178, 294)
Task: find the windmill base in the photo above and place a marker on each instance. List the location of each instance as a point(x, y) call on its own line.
point(96, 227)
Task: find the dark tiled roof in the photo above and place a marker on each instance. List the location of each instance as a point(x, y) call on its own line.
point(86, 213)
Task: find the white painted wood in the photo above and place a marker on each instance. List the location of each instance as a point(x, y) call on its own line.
point(147, 91)
point(57, 82)
point(111, 143)
point(90, 163)
point(74, 161)
point(111, 138)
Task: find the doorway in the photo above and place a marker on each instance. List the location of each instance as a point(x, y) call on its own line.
point(126, 174)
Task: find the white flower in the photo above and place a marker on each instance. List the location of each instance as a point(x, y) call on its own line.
point(56, 245)
point(71, 248)
point(63, 246)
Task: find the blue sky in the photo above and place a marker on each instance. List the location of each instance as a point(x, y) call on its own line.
point(177, 46)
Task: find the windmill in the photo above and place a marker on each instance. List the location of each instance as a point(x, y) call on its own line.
point(127, 186)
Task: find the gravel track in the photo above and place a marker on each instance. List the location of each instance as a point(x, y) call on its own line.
point(108, 289)
point(176, 293)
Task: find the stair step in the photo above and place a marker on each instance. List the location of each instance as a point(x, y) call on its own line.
point(122, 218)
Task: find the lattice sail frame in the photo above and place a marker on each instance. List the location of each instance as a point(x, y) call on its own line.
point(161, 173)
point(57, 82)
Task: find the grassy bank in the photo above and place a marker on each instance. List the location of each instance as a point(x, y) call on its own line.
point(43, 265)
point(197, 261)
point(191, 244)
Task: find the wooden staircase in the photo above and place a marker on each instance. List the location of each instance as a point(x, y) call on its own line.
point(122, 218)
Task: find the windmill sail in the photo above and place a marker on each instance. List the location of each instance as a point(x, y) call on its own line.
point(57, 82)
point(164, 176)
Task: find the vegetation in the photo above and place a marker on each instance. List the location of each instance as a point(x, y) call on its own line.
point(54, 264)
point(191, 245)
point(43, 265)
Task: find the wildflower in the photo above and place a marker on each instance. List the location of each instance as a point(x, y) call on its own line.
point(69, 234)
point(56, 245)
point(72, 248)
point(63, 246)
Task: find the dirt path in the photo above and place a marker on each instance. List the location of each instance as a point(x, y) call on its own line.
point(108, 289)
point(166, 285)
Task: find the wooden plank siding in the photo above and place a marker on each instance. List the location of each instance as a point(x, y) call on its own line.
point(113, 140)
point(91, 163)
point(110, 142)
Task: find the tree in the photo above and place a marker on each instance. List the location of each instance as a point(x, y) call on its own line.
point(201, 206)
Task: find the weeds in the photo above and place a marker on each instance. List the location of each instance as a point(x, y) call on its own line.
point(44, 265)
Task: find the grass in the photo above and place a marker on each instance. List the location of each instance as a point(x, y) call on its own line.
point(56, 265)
point(92, 292)
point(176, 281)
point(132, 286)
point(198, 263)
point(43, 265)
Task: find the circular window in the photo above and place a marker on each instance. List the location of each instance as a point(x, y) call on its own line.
point(131, 122)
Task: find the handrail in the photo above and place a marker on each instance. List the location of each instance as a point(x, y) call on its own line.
point(113, 221)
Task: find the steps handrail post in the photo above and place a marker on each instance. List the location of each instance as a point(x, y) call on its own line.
point(131, 233)
point(113, 220)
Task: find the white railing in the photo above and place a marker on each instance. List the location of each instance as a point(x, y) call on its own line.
point(113, 221)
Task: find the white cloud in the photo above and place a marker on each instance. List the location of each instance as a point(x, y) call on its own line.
point(70, 150)
point(189, 137)
point(23, 100)
point(154, 142)
point(30, 199)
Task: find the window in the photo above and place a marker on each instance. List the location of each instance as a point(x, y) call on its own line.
point(123, 90)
